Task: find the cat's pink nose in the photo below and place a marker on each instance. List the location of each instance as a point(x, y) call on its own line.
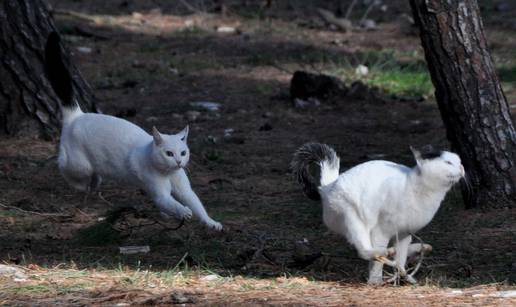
point(462, 171)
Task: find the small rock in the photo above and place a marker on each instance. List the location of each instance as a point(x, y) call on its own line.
point(173, 71)
point(265, 127)
point(85, 50)
point(207, 105)
point(17, 274)
point(337, 42)
point(362, 70)
point(301, 104)
point(189, 23)
point(210, 277)
point(179, 298)
point(226, 29)
point(129, 250)
point(137, 15)
point(151, 119)
point(369, 24)
point(193, 115)
point(228, 132)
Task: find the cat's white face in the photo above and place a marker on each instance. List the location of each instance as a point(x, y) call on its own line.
point(171, 150)
point(443, 167)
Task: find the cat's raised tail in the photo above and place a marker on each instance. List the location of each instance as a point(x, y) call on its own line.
point(319, 154)
point(60, 78)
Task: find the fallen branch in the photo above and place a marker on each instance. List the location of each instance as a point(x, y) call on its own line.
point(330, 18)
point(34, 212)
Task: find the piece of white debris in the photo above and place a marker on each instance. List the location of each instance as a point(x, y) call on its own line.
point(226, 29)
point(84, 49)
point(17, 274)
point(228, 132)
point(210, 277)
point(207, 105)
point(362, 70)
point(193, 115)
point(369, 24)
point(508, 293)
point(128, 250)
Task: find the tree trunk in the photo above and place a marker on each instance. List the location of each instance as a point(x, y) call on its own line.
point(471, 101)
point(28, 105)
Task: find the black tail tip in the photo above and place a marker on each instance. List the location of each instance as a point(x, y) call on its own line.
point(56, 71)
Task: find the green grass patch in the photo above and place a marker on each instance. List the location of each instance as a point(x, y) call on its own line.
point(402, 74)
point(402, 81)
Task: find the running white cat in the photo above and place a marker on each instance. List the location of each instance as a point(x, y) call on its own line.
point(96, 146)
point(378, 202)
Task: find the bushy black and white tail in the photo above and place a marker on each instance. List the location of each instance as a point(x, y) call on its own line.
point(59, 77)
point(322, 155)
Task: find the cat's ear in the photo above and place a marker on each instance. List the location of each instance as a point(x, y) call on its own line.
point(184, 133)
point(158, 139)
point(417, 155)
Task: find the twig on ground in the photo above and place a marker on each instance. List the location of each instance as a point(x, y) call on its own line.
point(190, 7)
point(75, 14)
point(350, 9)
point(367, 11)
point(34, 212)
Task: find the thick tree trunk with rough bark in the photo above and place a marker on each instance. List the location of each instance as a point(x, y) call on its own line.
point(472, 104)
point(28, 105)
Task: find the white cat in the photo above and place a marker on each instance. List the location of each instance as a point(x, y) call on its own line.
point(96, 146)
point(378, 202)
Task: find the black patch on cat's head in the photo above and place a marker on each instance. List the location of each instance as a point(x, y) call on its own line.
point(428, 152)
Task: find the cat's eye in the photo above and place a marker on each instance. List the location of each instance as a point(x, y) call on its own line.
point(169, 153)
point(183, 153)
point(448, 162)
point(183, 138)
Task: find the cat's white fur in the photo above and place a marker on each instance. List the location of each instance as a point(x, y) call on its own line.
point(95, 146)
point(378, 202)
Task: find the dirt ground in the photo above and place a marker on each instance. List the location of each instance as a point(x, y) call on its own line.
point(147, 65)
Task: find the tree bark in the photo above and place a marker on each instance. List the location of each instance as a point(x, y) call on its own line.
point(28, 105)
point(471, 101)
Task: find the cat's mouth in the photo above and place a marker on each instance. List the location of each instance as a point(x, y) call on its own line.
point(453, 178)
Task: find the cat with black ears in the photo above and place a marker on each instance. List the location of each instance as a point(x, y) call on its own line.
point(378, 202)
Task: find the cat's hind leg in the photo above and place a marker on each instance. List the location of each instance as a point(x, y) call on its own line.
point(359, 236)
point(78, 173)
point(402, 246)
point(378, 239)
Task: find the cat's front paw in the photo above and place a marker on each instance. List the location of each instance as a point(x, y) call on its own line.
point(214, 225)
point(183, 213)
